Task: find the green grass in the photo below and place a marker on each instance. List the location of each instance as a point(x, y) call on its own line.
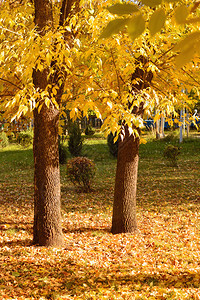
point(155, 177)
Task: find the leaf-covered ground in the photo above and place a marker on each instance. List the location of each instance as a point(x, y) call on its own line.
point(162, 261)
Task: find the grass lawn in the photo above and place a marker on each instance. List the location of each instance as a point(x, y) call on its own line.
point(162, 261)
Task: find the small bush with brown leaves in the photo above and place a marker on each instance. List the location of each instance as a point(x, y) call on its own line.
point(171, 154)
point(81, 171)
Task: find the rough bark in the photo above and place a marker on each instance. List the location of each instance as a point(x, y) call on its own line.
point(43, 14)
point(47, 229)
point(124, 208)
point(47, 217)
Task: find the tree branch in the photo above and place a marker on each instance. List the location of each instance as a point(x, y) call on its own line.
point(7, 95)
point(190, 76)
point(5, 80)
point(66, 10)
point(6, 29)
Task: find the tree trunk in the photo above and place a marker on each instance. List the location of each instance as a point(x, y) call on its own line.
point(47, 229)
point(124, 207)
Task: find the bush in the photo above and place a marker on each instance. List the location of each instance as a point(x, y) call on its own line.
point(62, 154)
point(3, 139)
point(113, 147)
point(75, 142)
point(80, 171)
point(11, 137)
point(25, 138)
point(171, 136)
point(89, 130)
point(171, 154)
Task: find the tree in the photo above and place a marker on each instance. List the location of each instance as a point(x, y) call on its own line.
point(33, 83)
point(47, 229)
point(47, 217)
point(121, 56)
point(63, 60)
point(115, 89)
point(124, 207)
point(43, 92)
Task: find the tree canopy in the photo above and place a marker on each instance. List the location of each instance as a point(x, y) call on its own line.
point(99, 70)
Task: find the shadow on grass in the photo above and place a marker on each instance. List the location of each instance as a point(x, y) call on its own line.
point(18, 155)
point(15, 223)
point(74, 278)
point(97, 152)
point(82, 229)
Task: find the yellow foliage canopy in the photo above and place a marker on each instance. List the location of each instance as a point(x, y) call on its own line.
point(96, 73)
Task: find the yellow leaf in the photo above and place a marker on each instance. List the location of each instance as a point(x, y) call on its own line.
point(54, 90)
point(116, 138)
point(40, 107)
point(55, 102)
point(181, 14)
point(188, 41)
point(157, 21)
point(143, 141)
point(178, 284)
point(40, 67)
point(44, 94)
point(184, 57)
point(47, 102)
point(136, 26)
point(60, 130)
point(122, 8)
point(73, 112)
point(48, 58)
point(113, 27)
point(68, 63)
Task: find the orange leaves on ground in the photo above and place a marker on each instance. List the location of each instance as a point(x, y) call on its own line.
point(160, 262)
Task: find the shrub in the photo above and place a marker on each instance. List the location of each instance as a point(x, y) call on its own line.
point(89, 130)
point(3, 139)
point(25, 138)
point(62, 154)
point(113, 147)
point(171, 154)
point(171, 136)
point(80, 171)
point(11, 137)
point(75, 142)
